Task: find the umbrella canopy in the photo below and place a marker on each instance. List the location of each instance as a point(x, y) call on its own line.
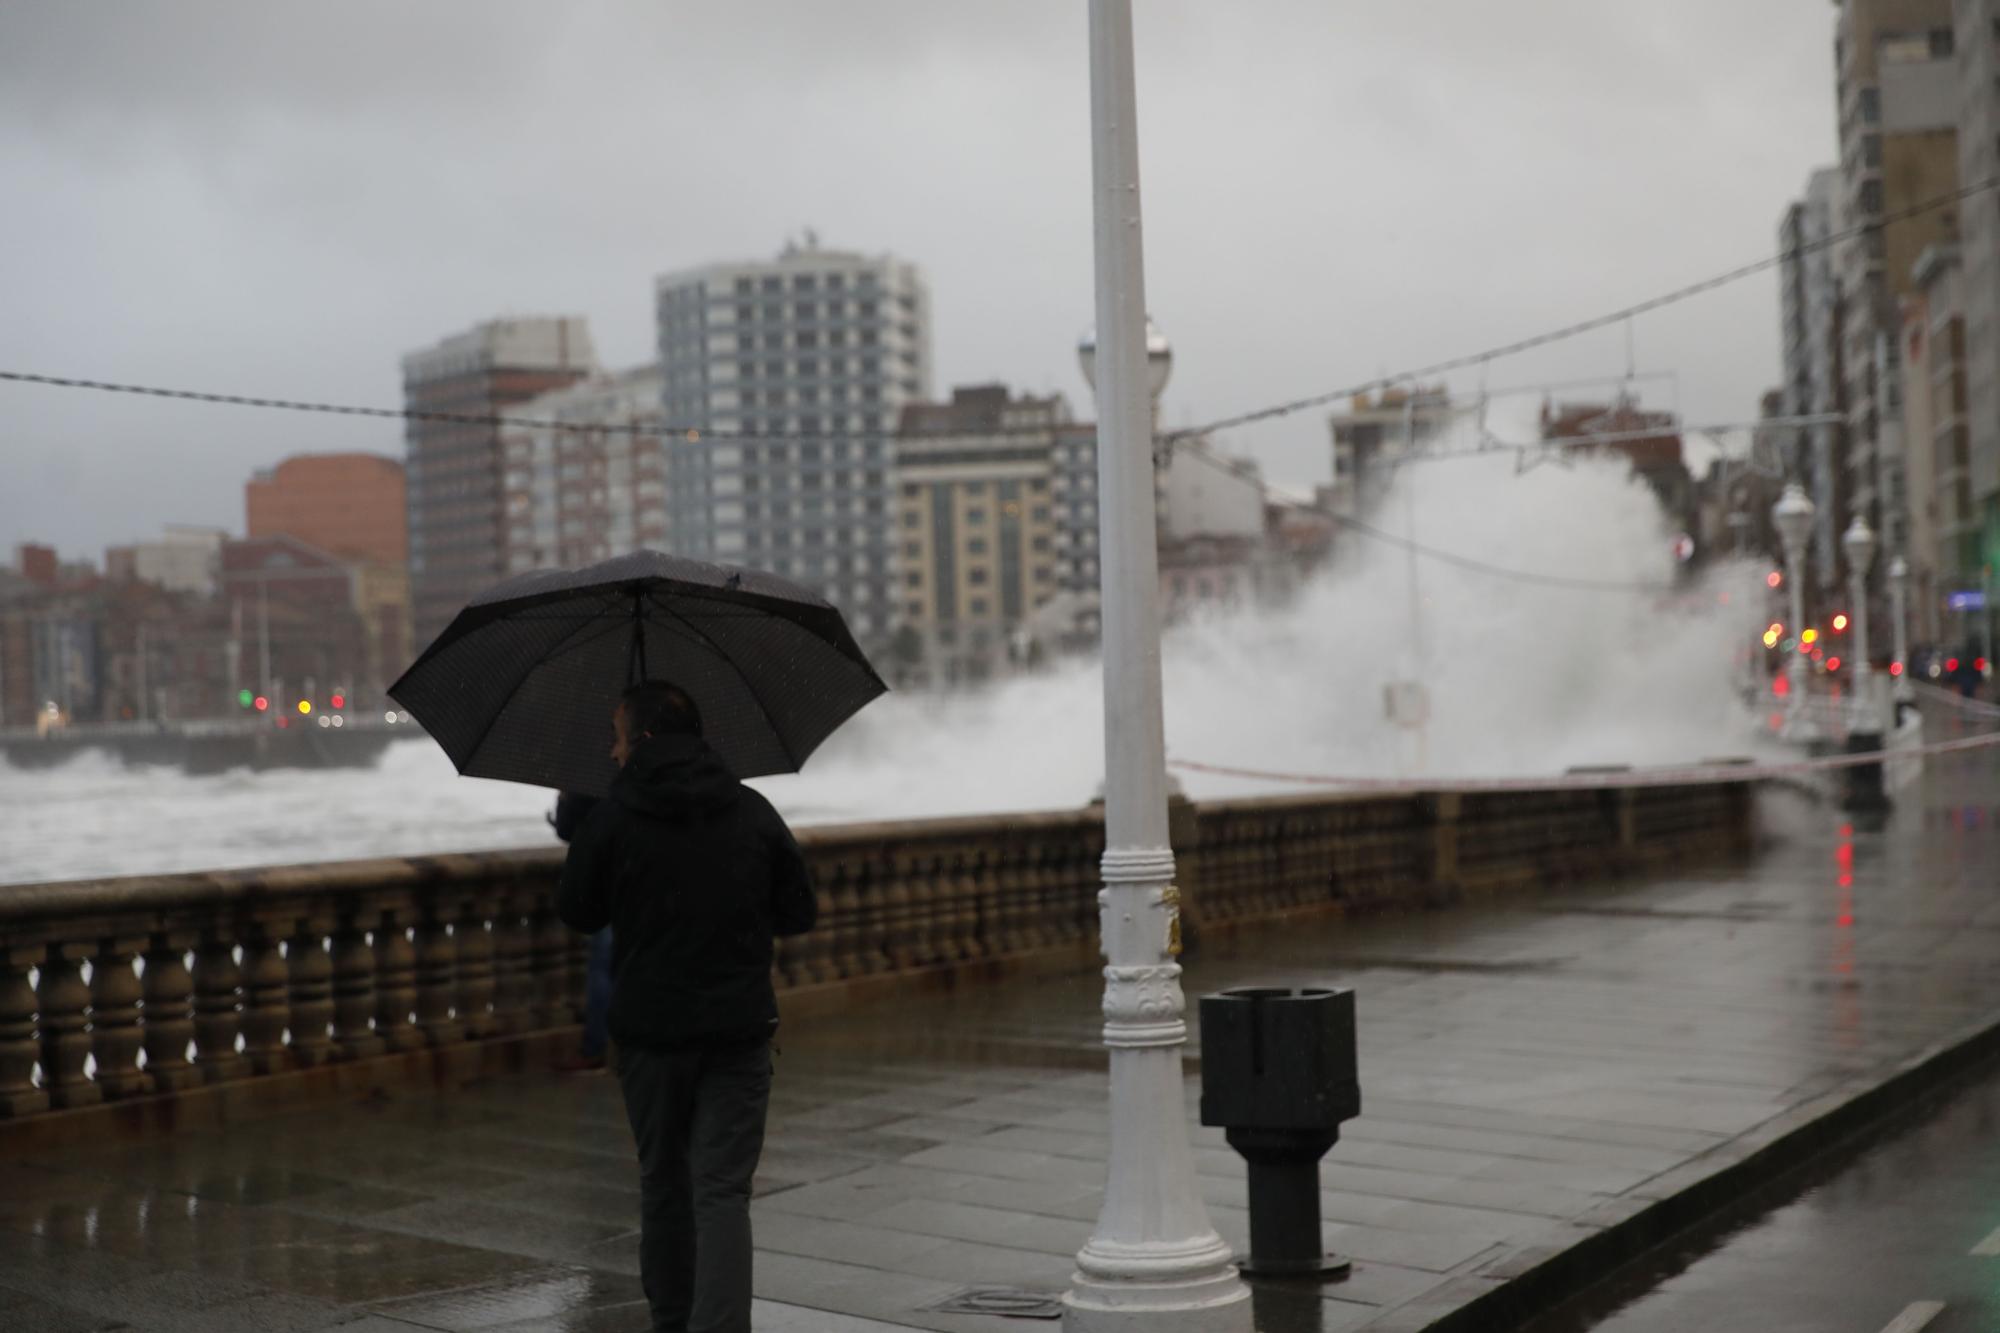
point(521, 685)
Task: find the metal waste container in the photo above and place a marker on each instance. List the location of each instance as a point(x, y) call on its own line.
point(1278, 1074)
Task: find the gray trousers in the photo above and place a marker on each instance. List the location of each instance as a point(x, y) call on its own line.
point(698, 1118)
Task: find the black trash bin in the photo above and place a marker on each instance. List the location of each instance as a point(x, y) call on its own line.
point(1278, 1074)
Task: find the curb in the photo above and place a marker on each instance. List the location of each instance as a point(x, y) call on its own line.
point(1521, 1282)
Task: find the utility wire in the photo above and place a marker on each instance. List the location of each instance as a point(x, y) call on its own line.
point(1492, 570)
point(694, 433)
point(1466, 562)
point(1567, 331)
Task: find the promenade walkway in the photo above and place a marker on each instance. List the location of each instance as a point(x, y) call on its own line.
point(1539, 1074)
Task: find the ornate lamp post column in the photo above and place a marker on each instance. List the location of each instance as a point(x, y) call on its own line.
point(1899, 613)
point(1859, 543)
point(1793, 516)
point(1867, 798)
point(1155, 1262)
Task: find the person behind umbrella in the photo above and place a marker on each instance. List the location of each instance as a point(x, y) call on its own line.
point(696, 874)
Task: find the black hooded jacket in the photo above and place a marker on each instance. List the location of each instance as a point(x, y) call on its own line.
point(695, 873)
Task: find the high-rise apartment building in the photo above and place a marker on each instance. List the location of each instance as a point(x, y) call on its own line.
point(1943, 519)
point(1896, 93)
point(1811, 345)
point(585, 480)
point(1073, 491)
point(1978, 84)
point(976, 523)
point(457, 515)
point(791, 374)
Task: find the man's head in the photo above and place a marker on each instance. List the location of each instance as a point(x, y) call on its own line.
point(651, 708)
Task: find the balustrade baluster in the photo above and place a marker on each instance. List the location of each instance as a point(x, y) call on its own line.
point(476, 980)
point(396, 980)
point(437, 975)
point(972, 887)
point(309, 979)
point(896, 906)
point(169, 1011)
point(513, 950)
point(795, 960)
point(1053, 905)
point(549, 966)
point(353, 974)
point(857, 921)
point(1000, 908)
point(218, 1020)
point(115, 1035)
point(267, 999)
point(62, 999)
point(18, 1048)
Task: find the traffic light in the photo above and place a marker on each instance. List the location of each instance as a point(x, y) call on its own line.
point(1773, 579)
point(1839, 623)
point(245, 698)
point(338, 700)
point(261, 704)
point(305, 708)
point(1833, 664)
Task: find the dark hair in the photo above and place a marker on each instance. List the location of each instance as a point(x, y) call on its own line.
point(659, 708)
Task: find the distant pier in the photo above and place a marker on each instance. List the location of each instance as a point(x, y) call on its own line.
point(198, 747)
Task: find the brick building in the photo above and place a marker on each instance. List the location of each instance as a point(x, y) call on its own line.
point(350, 504)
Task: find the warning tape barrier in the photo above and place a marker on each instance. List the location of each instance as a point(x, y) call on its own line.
point(1681, 776)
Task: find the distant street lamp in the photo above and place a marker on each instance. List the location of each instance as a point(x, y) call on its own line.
point(1859, 543)
point(1899, 614)
point(1154, 1260)
point(1866, 797)
point(1159, 359)
point(1793, 516)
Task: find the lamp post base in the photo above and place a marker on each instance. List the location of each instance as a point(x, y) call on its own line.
point(1866, 798)
point(1212, 1303)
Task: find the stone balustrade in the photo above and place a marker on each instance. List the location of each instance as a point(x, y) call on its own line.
point(115, 989)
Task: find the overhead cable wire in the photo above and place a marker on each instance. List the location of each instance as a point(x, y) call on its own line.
point(1567, 331)
point(1492, 570)
point(697, 433)
point(1444, 557)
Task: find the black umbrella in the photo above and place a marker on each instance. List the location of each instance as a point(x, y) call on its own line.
point(522, 683)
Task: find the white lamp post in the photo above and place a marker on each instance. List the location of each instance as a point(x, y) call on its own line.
point(1793, 516)
point(1155, 1261)
point(1899, 613)
point(1859, 543)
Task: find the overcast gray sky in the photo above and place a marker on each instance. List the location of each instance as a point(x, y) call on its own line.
point(282, 199)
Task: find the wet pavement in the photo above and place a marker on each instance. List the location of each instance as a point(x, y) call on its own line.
point(1533, 1071)
point(1905, 1225)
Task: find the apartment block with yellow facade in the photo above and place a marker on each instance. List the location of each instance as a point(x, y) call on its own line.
point(976, 528)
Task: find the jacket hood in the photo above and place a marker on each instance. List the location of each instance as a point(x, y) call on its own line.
point(674, 777)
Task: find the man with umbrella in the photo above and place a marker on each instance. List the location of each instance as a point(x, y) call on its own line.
point(695, 872)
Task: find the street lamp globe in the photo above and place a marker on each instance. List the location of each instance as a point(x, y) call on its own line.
point(1793, 516)
point(1159, 359)
point(1859, 543)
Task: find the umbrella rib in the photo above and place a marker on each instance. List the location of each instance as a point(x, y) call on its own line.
point(784, 745)
point(543, 660)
